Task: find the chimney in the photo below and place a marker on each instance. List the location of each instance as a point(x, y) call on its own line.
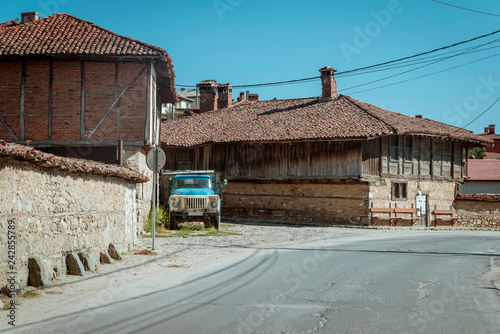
point(419, 116)
point(491, 129)
point(208, 95)
point(29, 17)
point(225, 99)
point(486, 129)
point(248, 92)
point(328, 83)
point(242, 97)
point(253, 97)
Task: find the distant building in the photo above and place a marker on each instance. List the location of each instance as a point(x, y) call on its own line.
point(483, 177)
point(492, 152)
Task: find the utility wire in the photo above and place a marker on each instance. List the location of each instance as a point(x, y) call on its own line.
point(426, 75)
point(471, 10)
point(361, 68)
point(416, 68)
point(481, 114)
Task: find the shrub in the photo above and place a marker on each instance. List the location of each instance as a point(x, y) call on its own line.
point(161, 218)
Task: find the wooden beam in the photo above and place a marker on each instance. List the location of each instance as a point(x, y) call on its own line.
point(148, 105)
point(22, 110)
point(116, 101)
point(452, 159)
point(431, 162)
point(79, 143)
point(118, 105)
point(381, 165)
point(82, 111)
point(51, 94)
point(13, 135)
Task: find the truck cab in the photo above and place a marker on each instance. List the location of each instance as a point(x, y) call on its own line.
point(195, 196)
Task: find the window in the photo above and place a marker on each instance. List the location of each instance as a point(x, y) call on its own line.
point(408, 148)
point(395, 147)
point(398, 190)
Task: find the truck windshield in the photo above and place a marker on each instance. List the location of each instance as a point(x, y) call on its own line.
point(193, 183)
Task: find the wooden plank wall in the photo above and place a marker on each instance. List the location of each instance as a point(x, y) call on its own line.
point(271, 160)
point(432, 158)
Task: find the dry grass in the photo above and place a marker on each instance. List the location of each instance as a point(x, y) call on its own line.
point(145, 252)
point(53, 292)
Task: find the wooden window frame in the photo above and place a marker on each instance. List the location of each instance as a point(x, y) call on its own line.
point(399, 191)
point(395, 157)
point(408, 149)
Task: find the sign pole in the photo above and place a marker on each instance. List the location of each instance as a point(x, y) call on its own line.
point(155, 166)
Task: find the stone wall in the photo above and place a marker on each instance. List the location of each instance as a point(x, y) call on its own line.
point(327, 202)
point(57, 211)
point(440, 195)
point(479, 211)
point(136, 160)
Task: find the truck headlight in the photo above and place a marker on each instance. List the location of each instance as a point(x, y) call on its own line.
point(175, 204)
point(214, 204)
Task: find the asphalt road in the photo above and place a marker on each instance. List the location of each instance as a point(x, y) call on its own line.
point(361, 282)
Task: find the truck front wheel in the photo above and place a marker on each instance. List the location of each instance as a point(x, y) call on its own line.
point(172, 222)
point(216, 221)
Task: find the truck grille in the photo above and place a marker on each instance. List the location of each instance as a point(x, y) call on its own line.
point(195, 203)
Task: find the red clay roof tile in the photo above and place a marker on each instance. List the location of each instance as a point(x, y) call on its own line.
point(301, 119)
point(64, 35)
point(483, 170)
point(29, 154)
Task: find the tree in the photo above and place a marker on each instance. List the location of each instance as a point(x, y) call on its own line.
point(477, 153)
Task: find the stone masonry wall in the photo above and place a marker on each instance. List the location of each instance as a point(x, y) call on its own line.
point(440, 195)
point(479, 213)
point(327, 202)
point(57, 212)
point(136, 159)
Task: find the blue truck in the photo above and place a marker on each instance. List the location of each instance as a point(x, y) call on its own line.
point(195, 196)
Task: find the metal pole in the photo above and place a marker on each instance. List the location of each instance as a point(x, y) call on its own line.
point(155, 165)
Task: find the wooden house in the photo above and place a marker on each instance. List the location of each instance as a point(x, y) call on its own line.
point(72, 88)
point(330, 159)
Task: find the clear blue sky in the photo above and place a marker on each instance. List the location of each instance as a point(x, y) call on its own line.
point(255, 41)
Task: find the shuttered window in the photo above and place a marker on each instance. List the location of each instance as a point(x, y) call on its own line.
point(395, 147)
point(398, 190)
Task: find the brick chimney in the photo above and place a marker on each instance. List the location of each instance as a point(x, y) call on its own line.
point(253, 97)
point(486, 129)
point(241, 97)
point(419, 116)
point(491, 129)
point(208, 95)
point(225, 99)
point(29, 17)
point(328, 83)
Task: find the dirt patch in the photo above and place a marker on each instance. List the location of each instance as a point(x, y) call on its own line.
point(145, 252)
point(53, 292)
point(174, 266)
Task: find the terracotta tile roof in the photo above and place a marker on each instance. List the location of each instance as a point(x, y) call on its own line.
point(301, 119)
point(480, 197)
point(483, 170)
point(29, 154)
point(492, 155)
point(64, 35)
point(9, 24)
point(492, 136)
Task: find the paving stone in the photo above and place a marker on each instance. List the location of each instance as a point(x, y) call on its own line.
point(75, 266)
point(113, 252)
point(38, 275)
point(105, 258)
point(88, 259)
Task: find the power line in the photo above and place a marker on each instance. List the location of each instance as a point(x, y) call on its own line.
point(426, 75)
point(277, 83)
point(417, 68)
point(471, 10)
point(481, 114)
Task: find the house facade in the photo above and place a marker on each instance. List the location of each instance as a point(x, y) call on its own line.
point(483, 177)
point(72, 88)
point(323, 159)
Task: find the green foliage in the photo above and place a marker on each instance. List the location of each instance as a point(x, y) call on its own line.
point(161, 218)
point(477, 153)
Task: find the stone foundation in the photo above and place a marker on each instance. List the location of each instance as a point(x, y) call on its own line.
point(326, 202)
point(479, 211)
